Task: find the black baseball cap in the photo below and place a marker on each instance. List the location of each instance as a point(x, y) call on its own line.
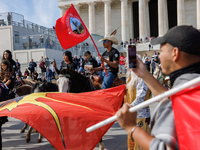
point(186, 38)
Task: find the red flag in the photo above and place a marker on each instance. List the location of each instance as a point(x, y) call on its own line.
point(62, 118)
point(186, 108)
point(70, 29)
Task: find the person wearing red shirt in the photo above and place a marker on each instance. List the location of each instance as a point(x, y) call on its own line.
point(122, 61)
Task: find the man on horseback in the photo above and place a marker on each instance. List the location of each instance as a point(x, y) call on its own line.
point(111, 62)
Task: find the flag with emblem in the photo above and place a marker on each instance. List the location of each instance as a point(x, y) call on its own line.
point(62, 118)
point(187, 117)
point(70, 29)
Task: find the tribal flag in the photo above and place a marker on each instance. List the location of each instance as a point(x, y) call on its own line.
point(70, 29)
point(186, 108)
point(62, 118)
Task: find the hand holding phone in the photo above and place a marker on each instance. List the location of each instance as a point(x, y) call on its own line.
point(132, 62)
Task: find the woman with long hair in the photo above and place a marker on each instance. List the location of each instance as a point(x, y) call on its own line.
point(7, 76)
point(7, 55)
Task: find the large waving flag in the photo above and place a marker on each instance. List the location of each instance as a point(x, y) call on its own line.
point(70, 29)
point(186, 107)
point(62, 118)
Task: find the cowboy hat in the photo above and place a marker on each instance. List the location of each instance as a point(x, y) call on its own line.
point(110, 38)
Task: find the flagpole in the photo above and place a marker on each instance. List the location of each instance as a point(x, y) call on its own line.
point(193, 83)
point(92, 41)
point(98, 54)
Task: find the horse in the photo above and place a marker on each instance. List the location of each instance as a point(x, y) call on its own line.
point(39, 87)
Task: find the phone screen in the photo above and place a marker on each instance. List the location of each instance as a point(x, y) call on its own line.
point(132, 56)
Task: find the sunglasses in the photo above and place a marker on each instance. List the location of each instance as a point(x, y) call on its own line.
point(104, 41)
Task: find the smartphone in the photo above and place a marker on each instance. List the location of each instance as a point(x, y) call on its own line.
point(132, 63)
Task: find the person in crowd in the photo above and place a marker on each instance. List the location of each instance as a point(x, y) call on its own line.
point(155, 54)
point(7, 55)
point(19, 79)
point(9, 18)
point(67, 63)
point(111, 61)
point(53, 70)
point(122, 61)
point(17, 71)
point(80, 60)
point(180, 59)
point(32, 66)
point(42, 67)
point(88, 63)
point(147, 63)
point(8, 77)
point(46, 58)
point(48, 74)
point(76, 61)
point(35, 75)
point(40, 77)
point(25, 73)
point(42, 58)
point(153, 64)
point(28, 77)
point(144, 56)
point(41, 41)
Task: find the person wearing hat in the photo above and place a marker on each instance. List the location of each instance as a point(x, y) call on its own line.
point(111, 61)
point(67, 63)
point(180, 59)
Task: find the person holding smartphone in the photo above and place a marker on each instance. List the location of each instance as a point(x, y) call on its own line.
point(110, 58)
point(180, 59)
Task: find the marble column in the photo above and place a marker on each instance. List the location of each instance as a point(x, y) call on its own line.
point(142, 20)
point(130, 10)
point(180, 12)
point(107, 15)
point(162, 17)
point(77, 6)
point(92, 22)
point(124, 21)
point(198, 14)
point(147, 20)
point(62, 11)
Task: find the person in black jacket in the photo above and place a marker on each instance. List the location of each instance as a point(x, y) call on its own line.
point(67, 63)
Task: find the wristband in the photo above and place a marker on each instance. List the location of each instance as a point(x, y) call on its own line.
point(133, 131)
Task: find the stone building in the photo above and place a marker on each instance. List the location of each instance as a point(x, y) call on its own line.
point(136, 18)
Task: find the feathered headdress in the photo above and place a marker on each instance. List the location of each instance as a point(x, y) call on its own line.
point(111, 37)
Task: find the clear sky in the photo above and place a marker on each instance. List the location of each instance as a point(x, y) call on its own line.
point(41, 12)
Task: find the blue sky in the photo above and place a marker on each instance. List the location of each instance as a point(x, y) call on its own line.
point(41, 12)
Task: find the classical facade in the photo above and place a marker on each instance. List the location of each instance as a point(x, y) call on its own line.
point(136, 18)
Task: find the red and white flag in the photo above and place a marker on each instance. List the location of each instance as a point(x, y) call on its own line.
point(186, 108)
point(70, 29)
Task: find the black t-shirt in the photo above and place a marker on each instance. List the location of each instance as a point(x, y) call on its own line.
point(12, 84)
point(112, 55)
point(92, 63)
point(70, 66)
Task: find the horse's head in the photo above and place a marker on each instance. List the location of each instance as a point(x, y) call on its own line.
point(73, 82)
point(63, 83)
point(45, 87)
